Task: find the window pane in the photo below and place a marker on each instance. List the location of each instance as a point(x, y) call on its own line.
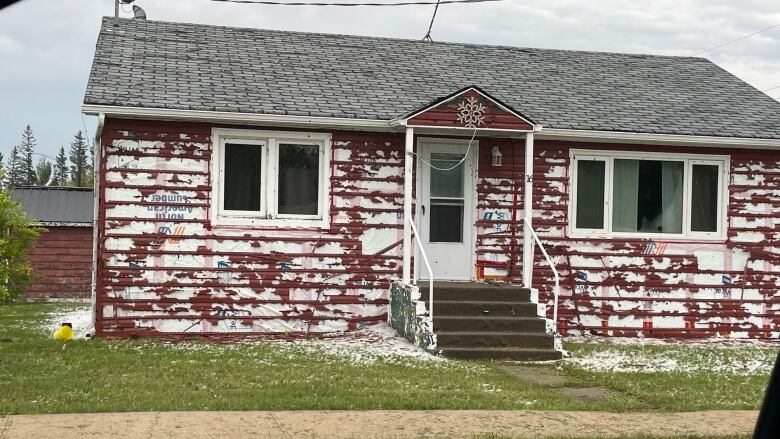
point(447, 184)
point(647, 196)
point(299, 179)
point(625, 190)
point(242, 186)
point(704, 198)
point(590, 194)
point(446, 221)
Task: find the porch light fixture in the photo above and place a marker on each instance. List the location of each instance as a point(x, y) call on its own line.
point(496, 156)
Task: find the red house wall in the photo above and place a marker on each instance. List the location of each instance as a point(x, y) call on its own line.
point(62, 262)
point(177, 274)
point(626, 287)
point(640, 287)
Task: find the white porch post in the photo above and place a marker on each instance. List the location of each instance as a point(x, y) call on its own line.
point(408, 186)
point(528, 241)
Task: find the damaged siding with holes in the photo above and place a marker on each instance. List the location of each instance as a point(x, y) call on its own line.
point(643, 287)
point(499, 221)
point(164, 270)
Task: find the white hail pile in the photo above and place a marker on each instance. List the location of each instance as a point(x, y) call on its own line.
point(80, 318)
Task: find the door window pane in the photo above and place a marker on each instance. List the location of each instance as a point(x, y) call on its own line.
point(299, 175)
point(590, 194)
point(647, 196)
point(446, 198)
point(704, 198)
point(242, 177)
point(446, 221)
point(446, 184)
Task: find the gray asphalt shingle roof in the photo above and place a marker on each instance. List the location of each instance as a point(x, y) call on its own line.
point(156, 64)
point(56, 205)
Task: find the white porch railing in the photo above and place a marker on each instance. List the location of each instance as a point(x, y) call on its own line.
point(428, 266)
point(557, 287)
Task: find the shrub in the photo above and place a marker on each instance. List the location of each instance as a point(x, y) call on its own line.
point(16, 236)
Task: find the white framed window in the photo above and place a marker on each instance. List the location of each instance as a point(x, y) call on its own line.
point(270, 178)
point(648, 195)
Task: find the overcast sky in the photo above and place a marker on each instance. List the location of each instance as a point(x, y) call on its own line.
point(46, 46)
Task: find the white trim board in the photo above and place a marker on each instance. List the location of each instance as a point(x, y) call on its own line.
point(240, 118)
point(398, 124)
point(657, 139)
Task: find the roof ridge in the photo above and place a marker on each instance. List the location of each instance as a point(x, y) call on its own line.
point(410, 40)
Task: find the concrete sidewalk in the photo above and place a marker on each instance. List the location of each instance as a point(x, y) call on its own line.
point(380, 423)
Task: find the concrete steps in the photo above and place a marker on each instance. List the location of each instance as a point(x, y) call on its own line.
point(489, 323)
point(480, 320)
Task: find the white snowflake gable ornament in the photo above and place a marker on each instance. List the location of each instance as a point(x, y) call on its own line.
point(471, 112)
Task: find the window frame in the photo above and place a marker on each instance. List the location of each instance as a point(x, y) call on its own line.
point(722, 161)
point(268, 214)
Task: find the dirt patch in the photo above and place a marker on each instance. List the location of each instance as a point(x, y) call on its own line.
point(538, 375)
point(557, 380)
point(586, 394)
point(381, 423)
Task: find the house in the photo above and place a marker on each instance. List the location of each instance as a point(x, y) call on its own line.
point(267, 182)
point(62, 255)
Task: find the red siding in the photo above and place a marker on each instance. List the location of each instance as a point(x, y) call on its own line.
point(449, 113)
point(658, 289)
point(211, 279)
point(62, 263)
point(638, 287)
point(231, 280)
point(499, 224)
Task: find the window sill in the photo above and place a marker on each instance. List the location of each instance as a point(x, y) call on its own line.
point(260, 223)
point(584, 235)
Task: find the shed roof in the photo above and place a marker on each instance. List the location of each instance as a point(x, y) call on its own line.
point(155, 64)
point(52, 206)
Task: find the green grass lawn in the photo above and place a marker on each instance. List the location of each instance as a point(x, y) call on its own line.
point(698, 377)
point(40, 375)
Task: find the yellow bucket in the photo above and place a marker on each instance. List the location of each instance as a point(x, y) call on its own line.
point(64, 333)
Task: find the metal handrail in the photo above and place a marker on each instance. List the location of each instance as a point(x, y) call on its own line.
point(557, 287)
point(428, 266)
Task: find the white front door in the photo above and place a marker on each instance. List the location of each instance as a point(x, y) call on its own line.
point(445, 211)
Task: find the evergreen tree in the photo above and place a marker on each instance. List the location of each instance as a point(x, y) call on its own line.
point(42, 172)
point(16, 176)
point(26, 151)
point(91, 164)
point(78, 160)
point(3, 173)
point(60, 171)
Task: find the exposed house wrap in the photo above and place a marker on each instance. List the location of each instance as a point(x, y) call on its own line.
point(165, 267)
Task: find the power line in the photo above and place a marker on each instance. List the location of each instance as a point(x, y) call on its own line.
point(427, 36)
point(738, 39)
point(771, 88)
point(402, 3)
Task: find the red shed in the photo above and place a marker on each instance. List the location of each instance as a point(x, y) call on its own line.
point(267, 182)
point(62, 255)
